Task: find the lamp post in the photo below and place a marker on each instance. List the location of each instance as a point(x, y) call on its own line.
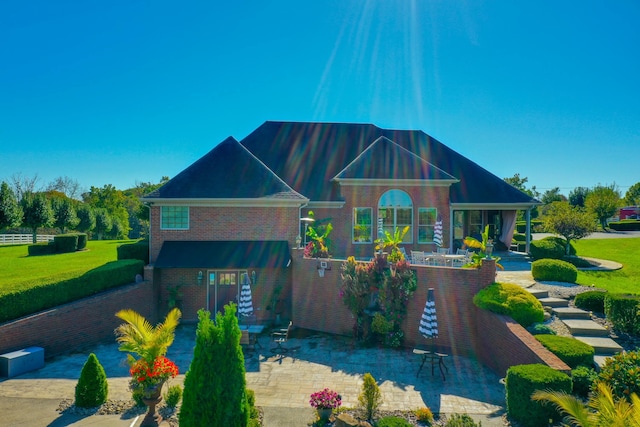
point(489, 249)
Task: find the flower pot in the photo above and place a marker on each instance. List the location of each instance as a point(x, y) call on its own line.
point(324, 413)
point(151, 398)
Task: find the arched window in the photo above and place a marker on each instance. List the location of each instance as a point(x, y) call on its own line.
point(395, 208)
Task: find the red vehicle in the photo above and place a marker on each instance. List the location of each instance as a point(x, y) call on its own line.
point(630, 212)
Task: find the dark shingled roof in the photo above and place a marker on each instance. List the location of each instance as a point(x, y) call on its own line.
point(384, 159)
point(224, 254)
point(308, 155)
point(227, 171)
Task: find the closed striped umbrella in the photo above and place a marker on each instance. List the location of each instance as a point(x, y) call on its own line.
point(245, 303)
point(429, 321)
point(437, 232)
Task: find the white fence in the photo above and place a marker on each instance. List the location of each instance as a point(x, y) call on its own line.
point(16, 239)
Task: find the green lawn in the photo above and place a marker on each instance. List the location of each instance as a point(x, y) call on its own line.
point(624, 251)
point(20, 271)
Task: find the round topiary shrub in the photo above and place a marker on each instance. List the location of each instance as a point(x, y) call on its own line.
point(554, 270)
point(571, 351)
point(622, 373)
point(549, 247)
point(583, 378)
point(591, 301)
point(512, 300)
point(522, 381)
point(92, 387)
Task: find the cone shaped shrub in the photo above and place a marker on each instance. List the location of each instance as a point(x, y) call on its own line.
point(215, 391)
point(92, 387)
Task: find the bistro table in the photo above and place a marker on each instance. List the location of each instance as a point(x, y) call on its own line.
point(254, 331)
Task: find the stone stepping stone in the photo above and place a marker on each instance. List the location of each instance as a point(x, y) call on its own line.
point(602, 346)
point(584, 327)
point(553, 302)
point(538, 293)
point(571, 313)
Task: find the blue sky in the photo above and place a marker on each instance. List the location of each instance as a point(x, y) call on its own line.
point(122, 92)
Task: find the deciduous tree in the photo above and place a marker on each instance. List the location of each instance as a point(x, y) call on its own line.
point(87, 218)
point(65, 213)
point(37, 212)
point(570, 222)
point(632, 196)
point(103, 223)
point(578, 195)
point(603, 202)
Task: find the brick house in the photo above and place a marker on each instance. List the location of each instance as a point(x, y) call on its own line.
point(240, 211)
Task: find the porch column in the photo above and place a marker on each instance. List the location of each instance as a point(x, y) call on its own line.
point(528, 231)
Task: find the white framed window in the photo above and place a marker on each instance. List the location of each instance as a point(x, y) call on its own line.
point(426, 224)
point(362, 225)
point(174, 217)
point(395, 208)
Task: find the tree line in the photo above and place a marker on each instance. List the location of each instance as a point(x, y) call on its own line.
point(60, 207)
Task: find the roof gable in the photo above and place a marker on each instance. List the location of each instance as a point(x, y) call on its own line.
point(228, 171)
point(386, 160)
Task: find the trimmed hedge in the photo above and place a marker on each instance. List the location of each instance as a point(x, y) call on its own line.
point(570, 350)
point(138, 250)
point(536, 225)
point(625, 225)
point(583, 378)
point(591, 301)
point(555, 270)
point(512, 300)
point(66, 243)
point(41, 249)
point(82, 241)
point(623, 311)
point(32, 300)
point(522, 381)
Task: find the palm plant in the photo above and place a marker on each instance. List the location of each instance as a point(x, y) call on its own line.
point(601, 410)
point(477, 257)
point(392, 241)
point(138, 336)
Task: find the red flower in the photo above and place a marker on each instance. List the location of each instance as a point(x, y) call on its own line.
point(145, 376)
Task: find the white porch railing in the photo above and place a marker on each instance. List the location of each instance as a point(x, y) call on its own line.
point(16, 239)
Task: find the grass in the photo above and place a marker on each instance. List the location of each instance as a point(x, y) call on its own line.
point(19, 271)
point(625, 251)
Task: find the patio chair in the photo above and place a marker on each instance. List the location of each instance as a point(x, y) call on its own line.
point(418, 258)
point(280, 336)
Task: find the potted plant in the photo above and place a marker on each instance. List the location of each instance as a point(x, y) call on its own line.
point(325, 401)
point(477, 257)
point(318, 247)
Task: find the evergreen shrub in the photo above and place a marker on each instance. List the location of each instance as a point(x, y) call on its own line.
point(216, 375)
point(393, 421)
point(461, 420)
point(41, 249)
point(512, 300)
point(591, 301)
point(549, 247)
point(138, 250)
point(522, 381)
point(66, 243)
point(370, 397)
point(554, 270)
point(571, 351)
point(173, 395)
point(583, 378)
point(623, 311)
point(540, 329)
point(424, 415)
point(92, 387)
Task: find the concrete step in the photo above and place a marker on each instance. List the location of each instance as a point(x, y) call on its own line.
point(584, 327)
point(603, 346)
point(538, 293)
point(599, 360)
point(571, 313)
point(553, 302)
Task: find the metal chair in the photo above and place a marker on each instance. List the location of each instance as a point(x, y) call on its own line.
point(280, 336)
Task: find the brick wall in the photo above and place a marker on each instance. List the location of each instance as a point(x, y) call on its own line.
point(368, 196)
point(80, 324)
point(464, 329)
point(228, 223)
